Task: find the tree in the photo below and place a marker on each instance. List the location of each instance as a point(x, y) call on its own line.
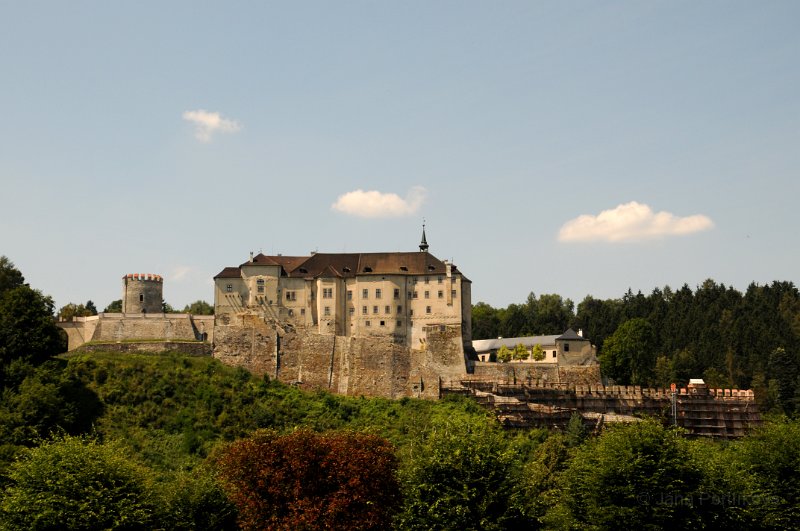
point(199, 308)
point(77, 483)
point(485, 321)
point(771, 456)
point(114, 307)
point(309, 481)
point(10, 276)
point(504, 354)
point(785, 368)
point(463, 476)
point(27, 329)
point(38, 401)
point(520, 352)
point(628, 355)
point(71, 310)
point(537, 353)
point(91, 308)
point(640, 476)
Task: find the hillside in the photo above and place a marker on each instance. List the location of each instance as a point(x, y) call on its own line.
point(164, 421)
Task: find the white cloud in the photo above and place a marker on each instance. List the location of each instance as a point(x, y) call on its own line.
point(631, 222)
point(207, 123)
point(374, 204)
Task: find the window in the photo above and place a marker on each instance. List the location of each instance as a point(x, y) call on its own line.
point(427, 309)
point(415, 295)
point(387, 309)
point(229, 288)
point(452, 280)
point(396, 293)
point(327, 293)
point(411, 313)
point(351, 311)
point(554, 353)
point(399, 323)
point(453, 293)
point(349, 294)
point(291, 295)
point(141, 297)
point(327, 311)
point(365, 293)
point(399, 310)
point(374, 309)
point(260, 285)
point(363, 310)
point(366, 323)
point(439, 279)
point(566, 347)
point(409, 294)
point(302, 311)
point(426, 280)
point(413, 280)
point(427, 294)
point(378, 293)
point(383, 323)
point(291, 313)
point(441, 294)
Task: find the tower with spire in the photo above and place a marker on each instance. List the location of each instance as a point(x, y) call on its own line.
point(423, 245)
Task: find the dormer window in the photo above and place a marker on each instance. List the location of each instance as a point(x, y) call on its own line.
point(431, 268)
point(303, 270)
point(403, 268)
point(367, 269)
point(346, 269)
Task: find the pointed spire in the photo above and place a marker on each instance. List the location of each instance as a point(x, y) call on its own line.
point(423, 245)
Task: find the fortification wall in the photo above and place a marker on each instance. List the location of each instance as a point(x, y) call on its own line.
point(126, 327)
point(721, 413)
point(537, 374)
point(191, 349)
point(80, 330)
point(370, 365)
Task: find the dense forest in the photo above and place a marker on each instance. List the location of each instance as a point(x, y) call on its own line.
point(731, 339)
point(166, 441)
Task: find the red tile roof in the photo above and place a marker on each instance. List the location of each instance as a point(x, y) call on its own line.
point(348, 265)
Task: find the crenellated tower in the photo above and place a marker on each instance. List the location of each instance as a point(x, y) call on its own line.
point(142, 293)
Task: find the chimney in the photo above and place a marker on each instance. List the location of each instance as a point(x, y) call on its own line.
point(251, 256)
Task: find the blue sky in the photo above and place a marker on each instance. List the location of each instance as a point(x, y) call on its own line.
point(552, 147)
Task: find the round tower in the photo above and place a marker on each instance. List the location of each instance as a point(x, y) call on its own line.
point(142, 293)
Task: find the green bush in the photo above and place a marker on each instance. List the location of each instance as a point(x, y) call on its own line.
point(77, 483)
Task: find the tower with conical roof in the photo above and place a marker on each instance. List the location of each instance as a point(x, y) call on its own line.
point(423, 245)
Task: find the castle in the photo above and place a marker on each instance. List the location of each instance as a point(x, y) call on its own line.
point(394, 325)
point(389, 324)
point(395, 295)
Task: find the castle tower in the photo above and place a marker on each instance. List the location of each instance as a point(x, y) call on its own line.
point(423, 245)
point(142, 293)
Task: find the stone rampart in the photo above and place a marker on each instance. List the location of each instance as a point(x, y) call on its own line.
point(370, 365)
point(126, 327)
point(720, 413)
point(189, 348)
point(537, 374)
